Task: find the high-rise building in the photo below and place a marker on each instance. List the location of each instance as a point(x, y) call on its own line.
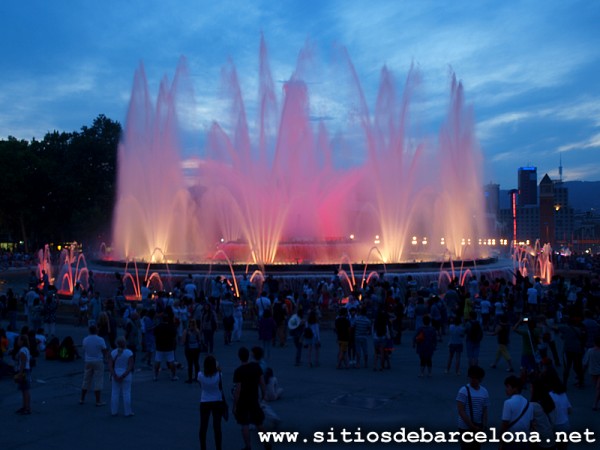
point(563, 213)
point(491, 194)
point(527, 186)
point(547, 211)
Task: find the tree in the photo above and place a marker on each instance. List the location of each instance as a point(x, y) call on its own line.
point(61, 188)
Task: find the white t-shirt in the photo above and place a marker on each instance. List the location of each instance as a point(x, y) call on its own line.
point(513, 407)
point(121, 361)
point(210, 387)
point(93, 348)
point(560, 414)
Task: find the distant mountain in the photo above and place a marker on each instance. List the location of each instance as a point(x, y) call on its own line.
point(583, 195)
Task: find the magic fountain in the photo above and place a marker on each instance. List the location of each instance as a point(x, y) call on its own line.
point(285, 192)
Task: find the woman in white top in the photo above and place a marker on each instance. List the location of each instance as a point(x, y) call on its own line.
point(210, 401)
point(562, 410)
point(121, 368)
point(23, 371)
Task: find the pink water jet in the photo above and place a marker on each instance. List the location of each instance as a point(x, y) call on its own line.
point(283, 192)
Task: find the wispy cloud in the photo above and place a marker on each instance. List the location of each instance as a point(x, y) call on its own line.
point(592, 142)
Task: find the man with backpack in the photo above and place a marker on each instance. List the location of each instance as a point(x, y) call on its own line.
point(474, 335)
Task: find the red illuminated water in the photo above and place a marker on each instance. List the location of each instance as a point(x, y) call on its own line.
point(280, 191)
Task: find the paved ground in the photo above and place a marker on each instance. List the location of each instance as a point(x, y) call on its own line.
point(315, 399)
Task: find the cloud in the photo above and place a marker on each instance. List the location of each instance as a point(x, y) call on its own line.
point(592, 142)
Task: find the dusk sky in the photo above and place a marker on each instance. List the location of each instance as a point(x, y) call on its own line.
point(530, 69)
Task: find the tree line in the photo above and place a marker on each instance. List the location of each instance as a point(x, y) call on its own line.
point(60, 189)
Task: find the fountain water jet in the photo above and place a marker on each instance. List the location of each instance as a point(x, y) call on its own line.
point(286, 198)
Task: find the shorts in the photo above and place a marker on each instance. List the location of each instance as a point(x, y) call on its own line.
point(343, 346)
point(167, 357)
point(93, 375)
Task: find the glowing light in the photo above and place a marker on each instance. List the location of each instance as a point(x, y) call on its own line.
point(424, 242)
point(414, 240)
point(352, 237)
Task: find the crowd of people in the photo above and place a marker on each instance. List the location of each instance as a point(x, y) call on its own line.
point(556, 325)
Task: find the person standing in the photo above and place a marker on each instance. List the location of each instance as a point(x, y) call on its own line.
point(296, 326)
point(312, 337)
point(472, 404)
point(191, 344)
point(238, 318)
point(543, 405)
point(50, 308)
point(455, 346)
point(208, 325)
point(425, 342)
point(95, 308)
point(211, 397)
point(12, 307)
point(267, 330)
point(573, 337)
point(560, 415)
point(23, 370)
point(228, 319)
point(502, 332)
point(148, 326)
point(517, 413)
point(342, 330)
point(121, 364)
point(474, 335)
point(249, 381)
point(362, 330)
point(592, 361)
point(165, 334)
point(94, 351)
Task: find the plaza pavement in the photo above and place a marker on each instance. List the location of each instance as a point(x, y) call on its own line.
point(315, 399)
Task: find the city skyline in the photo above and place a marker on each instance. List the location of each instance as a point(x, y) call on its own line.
point(529, 69)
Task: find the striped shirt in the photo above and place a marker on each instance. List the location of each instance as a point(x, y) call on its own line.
point(362, 326)
point(480, 399)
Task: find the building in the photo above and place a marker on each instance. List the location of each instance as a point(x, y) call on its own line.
point(491, 194)
point(547, 211)
point(528, 189)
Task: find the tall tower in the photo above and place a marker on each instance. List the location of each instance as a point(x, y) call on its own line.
point(560, 168)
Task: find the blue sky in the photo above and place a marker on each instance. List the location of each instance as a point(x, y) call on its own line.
point(531, 69)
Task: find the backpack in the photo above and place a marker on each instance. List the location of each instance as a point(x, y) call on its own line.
point(65, 351)
point(475, 332)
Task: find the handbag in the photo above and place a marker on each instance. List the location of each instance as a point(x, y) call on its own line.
point(224, 406)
